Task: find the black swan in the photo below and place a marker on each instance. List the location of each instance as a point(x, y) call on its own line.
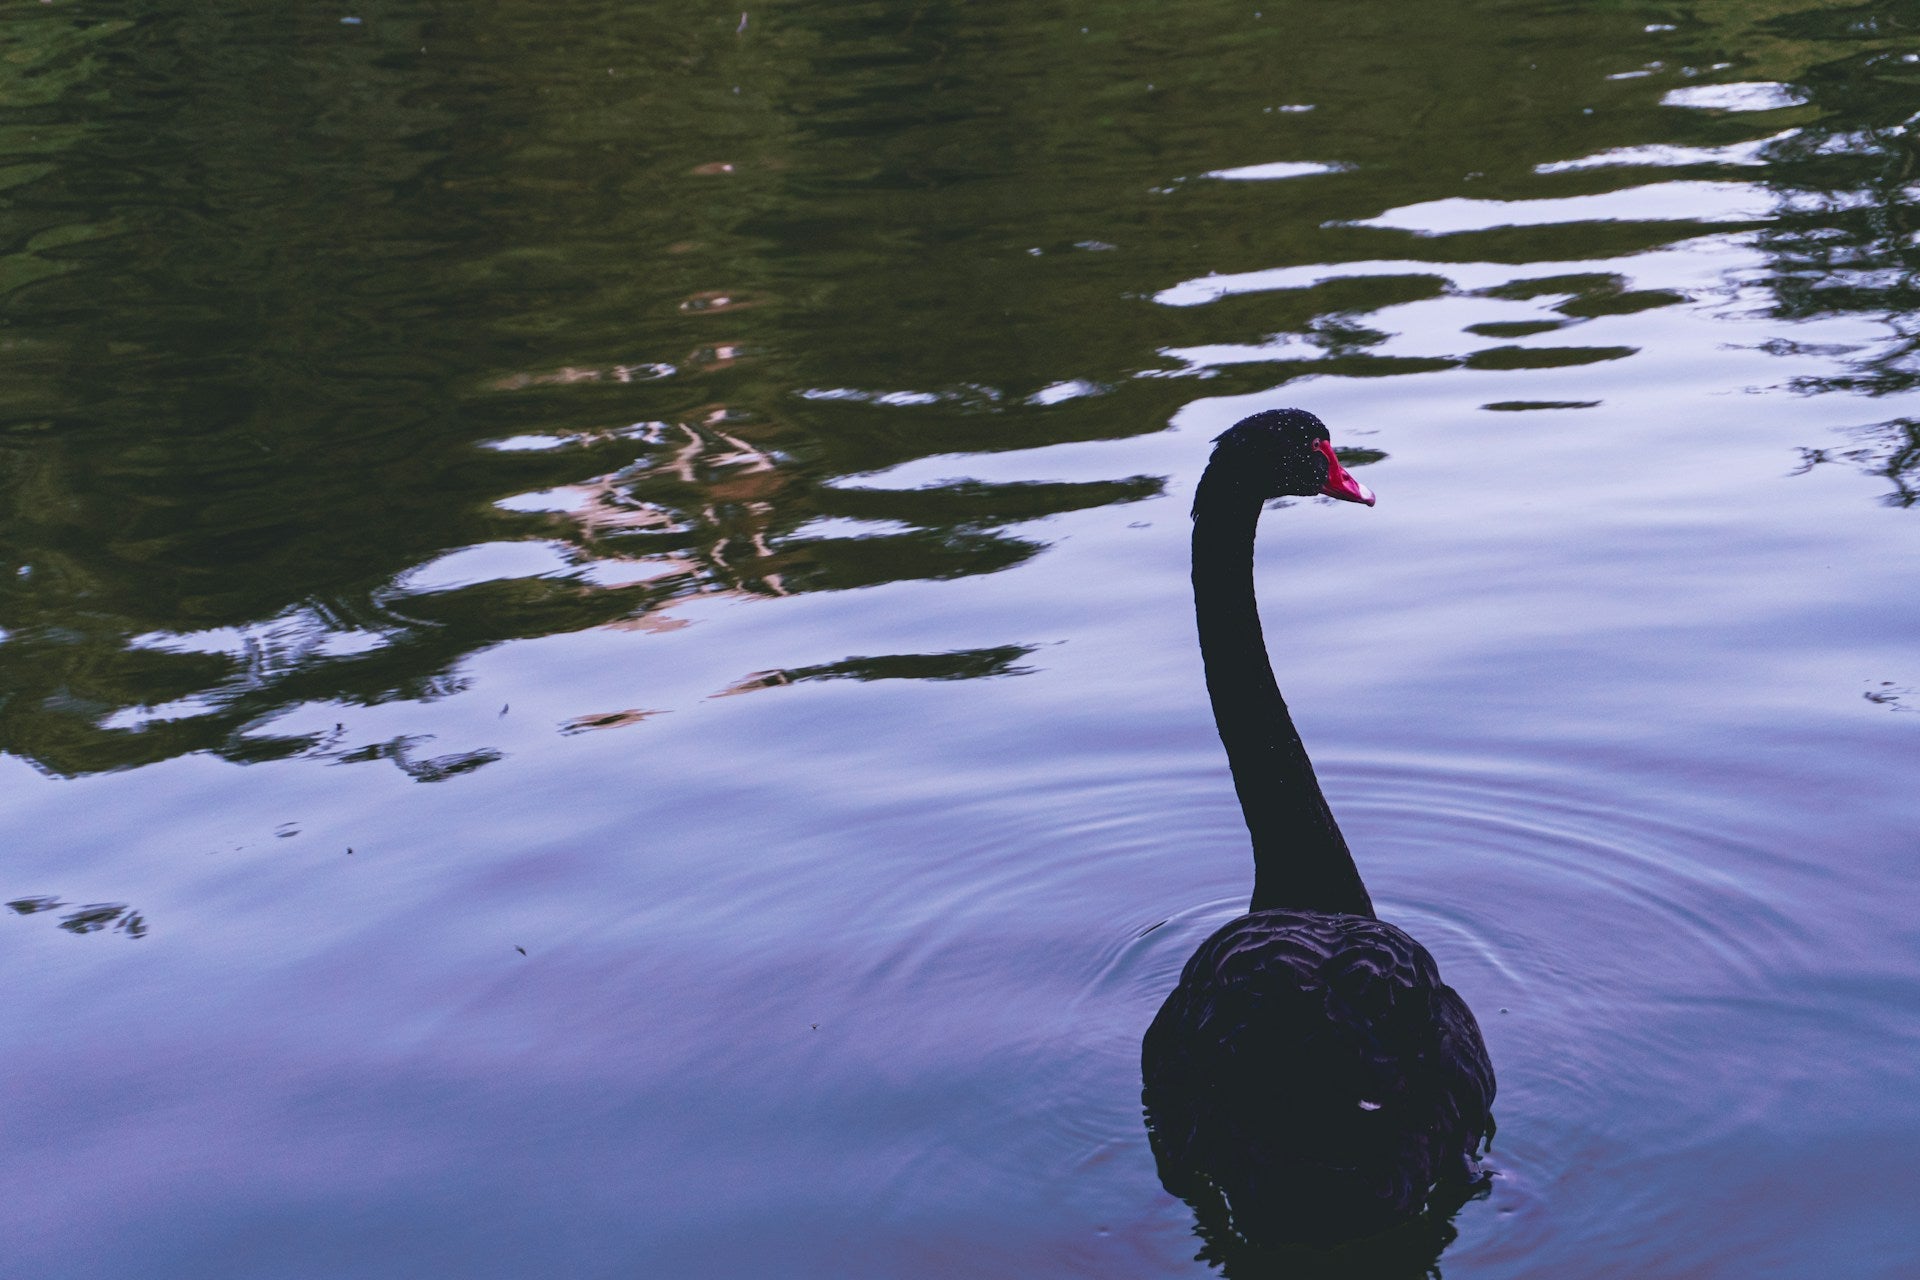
point(1311, 1079)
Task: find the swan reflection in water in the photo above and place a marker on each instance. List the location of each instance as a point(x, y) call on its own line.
point(1311, 1082)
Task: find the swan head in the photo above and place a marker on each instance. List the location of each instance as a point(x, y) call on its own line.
point(1287, 453)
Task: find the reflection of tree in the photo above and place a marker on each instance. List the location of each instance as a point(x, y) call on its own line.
point(274, 287)
point(963, 664)
point(296, 311)
point(95, 917)
point(1843, 242)
point(694, 510)
point(1889, 449)
point(701, 501)
point(271, 286)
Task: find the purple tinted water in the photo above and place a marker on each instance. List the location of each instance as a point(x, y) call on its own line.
point(584, 945)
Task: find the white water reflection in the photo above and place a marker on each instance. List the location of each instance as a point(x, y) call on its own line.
point(487, 562)
point(1706, 260)
point(1746, 95)
point(1662, 202)
point(1061, 392)
point(1276, 170)
point(1671, 156)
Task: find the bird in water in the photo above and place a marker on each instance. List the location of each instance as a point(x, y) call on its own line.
point(1311, 1080)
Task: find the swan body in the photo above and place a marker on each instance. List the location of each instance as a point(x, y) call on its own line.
point(1311, 1079)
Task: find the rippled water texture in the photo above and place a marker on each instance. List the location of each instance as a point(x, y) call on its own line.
point(596, 669)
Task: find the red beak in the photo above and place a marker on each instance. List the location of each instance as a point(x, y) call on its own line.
point(1340, 483)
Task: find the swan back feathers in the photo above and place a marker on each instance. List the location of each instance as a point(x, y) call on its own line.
point(1313, 1070)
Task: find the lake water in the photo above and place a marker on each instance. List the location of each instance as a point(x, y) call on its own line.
point(596, 669)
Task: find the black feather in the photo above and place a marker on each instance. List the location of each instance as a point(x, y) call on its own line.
point(1311, 1079)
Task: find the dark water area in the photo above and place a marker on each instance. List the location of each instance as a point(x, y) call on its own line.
point(596, 667)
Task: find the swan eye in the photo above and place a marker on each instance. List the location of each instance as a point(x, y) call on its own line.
point(1369, 1106)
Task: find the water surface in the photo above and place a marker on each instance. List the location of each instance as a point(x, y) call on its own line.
point(596, 674)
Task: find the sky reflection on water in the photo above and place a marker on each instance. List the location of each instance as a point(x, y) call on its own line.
point(609, 591)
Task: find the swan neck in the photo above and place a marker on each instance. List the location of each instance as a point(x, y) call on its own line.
point(1301, 860)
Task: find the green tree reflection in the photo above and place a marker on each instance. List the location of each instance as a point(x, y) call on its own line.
point(1844, 241)
point(338, 352)
point(299, 313)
